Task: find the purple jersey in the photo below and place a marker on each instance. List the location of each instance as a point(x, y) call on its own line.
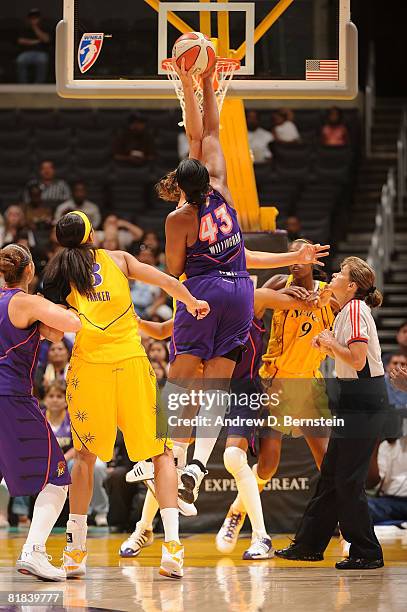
point(249, 365)
point(219, 248)
point(18, 351)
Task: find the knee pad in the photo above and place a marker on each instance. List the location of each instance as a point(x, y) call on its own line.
point(234, 459)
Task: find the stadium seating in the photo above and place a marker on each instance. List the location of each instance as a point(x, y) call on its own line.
point(303, 178)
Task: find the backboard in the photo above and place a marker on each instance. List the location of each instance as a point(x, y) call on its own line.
point(288, 48)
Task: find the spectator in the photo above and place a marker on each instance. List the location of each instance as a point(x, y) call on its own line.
point(127, 232)
point(14, 224)
point(334, 132)
point(399, 378)
point(293, 227)
point(58, 418)
point(111, 241)
point(391, 501)
point(284, 129)
point(151, 241)
point(56, 366)
point(37, 214)
point(53, 190)
point(158, 351)
point(135, 145)
point(79, 201)
point(401, 339)
point(148, 299)
point(160, 373)
point(259, 139)
point(121, 493)
point(397, 397)
point(34, 42)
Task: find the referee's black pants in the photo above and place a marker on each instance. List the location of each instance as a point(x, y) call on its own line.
point(340, 494)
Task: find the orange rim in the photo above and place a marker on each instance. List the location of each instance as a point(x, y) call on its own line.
point(224, 62)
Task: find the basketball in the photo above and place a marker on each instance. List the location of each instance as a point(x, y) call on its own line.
point(196, 49)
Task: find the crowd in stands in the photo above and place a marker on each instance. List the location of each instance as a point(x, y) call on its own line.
point(284, 152)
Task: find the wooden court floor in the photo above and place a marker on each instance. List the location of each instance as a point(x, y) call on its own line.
point(212, 582)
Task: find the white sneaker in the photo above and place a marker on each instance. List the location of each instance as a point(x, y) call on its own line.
point(74, 562)
point(191, 478)
point(172, 560)
point(227, 535)
point(140, 538)
point(36, 562)
point(143, 471)
point(260, 548)
point(101, 519)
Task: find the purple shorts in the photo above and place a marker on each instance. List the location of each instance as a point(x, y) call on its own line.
point(30, 456)
point(227, 325)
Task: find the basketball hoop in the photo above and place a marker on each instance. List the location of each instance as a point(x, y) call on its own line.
point(224, 72)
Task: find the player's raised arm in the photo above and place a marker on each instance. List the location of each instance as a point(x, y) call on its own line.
point(212, 154)
point(193, 116)
point(149, 274)
point(31, 308)
point(158, 331)
point(307, 254)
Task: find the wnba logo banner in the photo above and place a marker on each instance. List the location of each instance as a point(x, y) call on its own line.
point(89, 50)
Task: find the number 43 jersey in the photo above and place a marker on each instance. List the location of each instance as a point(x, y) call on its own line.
point(109, 325)
point(289, 353)
point(219, 248)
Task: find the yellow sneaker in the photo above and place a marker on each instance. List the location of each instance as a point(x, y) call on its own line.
point(172, 560)
point(74, 562)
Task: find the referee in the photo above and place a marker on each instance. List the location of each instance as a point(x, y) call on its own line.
point(340, 495)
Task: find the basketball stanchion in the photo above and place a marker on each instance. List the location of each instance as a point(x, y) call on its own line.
point(225, 70)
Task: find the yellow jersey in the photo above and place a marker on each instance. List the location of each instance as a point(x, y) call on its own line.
point(109, 330)
point(289, 351)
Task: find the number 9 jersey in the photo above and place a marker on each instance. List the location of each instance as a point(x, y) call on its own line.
point(289, 353)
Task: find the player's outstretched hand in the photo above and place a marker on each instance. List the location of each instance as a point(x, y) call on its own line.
point(399, 378)
point(299, 293)
point(315, 342)
point(326, 338)
point(320, 299)
point(199, 309)
point(312, 253)
point(184, 75)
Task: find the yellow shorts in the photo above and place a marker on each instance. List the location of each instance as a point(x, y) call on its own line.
point(104, 396)
point(302, 397)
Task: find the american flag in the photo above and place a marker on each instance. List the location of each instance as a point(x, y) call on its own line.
point(321, 70)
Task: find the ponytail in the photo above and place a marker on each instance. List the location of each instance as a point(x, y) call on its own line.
point(73, 267)
point(14, 258)
point(374, 298)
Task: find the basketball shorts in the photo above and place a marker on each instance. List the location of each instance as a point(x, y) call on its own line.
point(296, 399)
point(102, 397)
point(30, 456)
point(227, 325)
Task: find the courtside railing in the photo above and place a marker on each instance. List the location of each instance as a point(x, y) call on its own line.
point(370, 100)
point(382, 242)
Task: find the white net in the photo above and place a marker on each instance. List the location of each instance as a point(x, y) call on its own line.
point(225, 70)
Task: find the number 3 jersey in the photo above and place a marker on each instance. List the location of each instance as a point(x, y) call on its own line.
point(289, 353)
point(219, 248)
point(109, 325)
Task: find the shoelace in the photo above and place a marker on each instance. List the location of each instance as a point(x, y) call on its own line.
point(140, 540)
point(259, 543)
point(233, 522)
